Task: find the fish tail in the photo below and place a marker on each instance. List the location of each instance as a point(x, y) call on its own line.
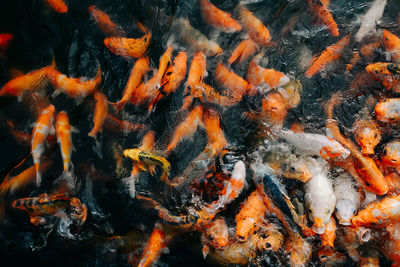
point(38, 175)
point(69, 178)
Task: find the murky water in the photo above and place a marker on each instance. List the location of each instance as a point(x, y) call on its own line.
point(76, 43)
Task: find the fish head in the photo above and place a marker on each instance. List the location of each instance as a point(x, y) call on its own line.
point(391, 154)
point(388, 110)
point(274, 107)
point(296, 170)
point(344, 211)
point(367, 137)
point(217, 234)
point(371, 175)
point(244, 227)
point(320, 207)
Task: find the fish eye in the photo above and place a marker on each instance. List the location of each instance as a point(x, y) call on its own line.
point(354, 211)
point(367, 184)
point(292, 169)
point(211, 237)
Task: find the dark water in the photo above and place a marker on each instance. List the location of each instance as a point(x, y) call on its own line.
point(77, 45)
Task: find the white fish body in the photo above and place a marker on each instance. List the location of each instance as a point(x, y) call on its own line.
point(369, 19)
point(348, 198)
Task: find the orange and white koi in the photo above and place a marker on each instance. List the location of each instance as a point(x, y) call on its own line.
point(243, 51)
point(392, 45)
point(330, 54)
point(57, 5)
point(218, 18)
point(391, 154)
point(324, 15)
point(257, 31)
point(172, 79)
point(329, 236)
point(154, 247)
point(73, 87)
point(187, 127)
point(5, 41)
point(379, 214)
point(236, 85)
point(140, 68)
point(388, 110)
point(250, 216)
point(264, 78)
point(367, 135)
point(100, 114)
point(215, 135)
point(147, 91)
point(105, 23)
point(128, 47)
point(43, 127)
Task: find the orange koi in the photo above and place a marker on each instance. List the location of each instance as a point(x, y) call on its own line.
point(105, 23)
point(255, 28)
point(215, 135)
point(299, 250)
point(329, 236)
point(116, 125)
point(20, 136)
point(387, 110)
point(367, 135)
point(172, 79)
point(390, 243)
point(274, 109)
point(140, 68)
point(57, 5)
point(330, 54)
point(391, 154)
point(63, 131)
point(261, 77)
point(392, 45)
point(250, 216)
point(212, 96)
point(5, 41)
point(154, 247)
point(73, 87)
point(186, 127)
point(217, 18)
point(128, 47)
point(215, 235)
point(320, 9)
point(146, 91)
point(43, 127)
point(379, 214)
point(34, 80)
point(243, 51)
point(393, 181)
point(236, 85)
point(100, 114)
point(383, 68)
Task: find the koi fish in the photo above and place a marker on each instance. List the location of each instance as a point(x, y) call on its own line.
point(324, 15)
point(57, 5)
point(187, 127)
point(140, 68)
point(291, 93)
point(215, 235)
point(114, 124)
point(172, 79)
point(128, 47)
point(329, 235)
point(367, 135)
point(253, 26)
point(391, 154)
point(373, 14)
point(388, 110)
point(330, 54)
point(73, 87)
point(147, 91)
point(378, 214)
point(298, 249)
point(100, 114)
point(330, 257)
point(20, 136)
point(348, 198)
point(316, 145)
point(105, 23)
point(184, 32)
point(47, 205)
point(149, 159)
point(35, 80)
point(264, 78)
point(235, 84)
point(390, 243)
point(250, 216)
point(154, 247)
point(243, 51)
point(383, 68)
point(217, 18)
point(319, 197)
point(215, 135)
point(43, 127)
point(5, 41)
point(392, 45)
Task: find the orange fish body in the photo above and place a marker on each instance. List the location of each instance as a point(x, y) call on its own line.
point(388, 110)
point(43, 127)
point(383, 68)
point(330, 54)
point(218, 18)
point(128, 47)
point(57, 5)
point(379, 213)
point(367, 135)
point(105, 23)
point(236, 85)
point(391, 154)
point(186, 127)
point(243, 51)
point(100, 114)
point(328, 237)
point(5, 41)
point(215, 235)
point(255, 28)
point(172, 79)
point(20, 136)
point(250, 216)
point(140, 68)
point(215, 135)
point(299, 250)
point(274, 109)
point(147, 91)
point(153, 249)
point(34, 80)
point(392, 45)
point(73, 87)
point(63, 131)
point(320, 8)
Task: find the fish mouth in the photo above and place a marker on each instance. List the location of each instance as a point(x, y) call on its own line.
point(318, 227)
point(367, 150)
point(346, 223)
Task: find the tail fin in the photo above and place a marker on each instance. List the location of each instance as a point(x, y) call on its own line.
point(69, 178)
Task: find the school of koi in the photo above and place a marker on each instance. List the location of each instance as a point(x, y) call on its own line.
point(286, 196)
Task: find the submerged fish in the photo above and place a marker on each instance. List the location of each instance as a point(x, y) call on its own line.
point(218, 18)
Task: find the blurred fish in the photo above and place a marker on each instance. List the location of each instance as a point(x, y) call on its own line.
point(388, 110)
point(392, 45)
point(5, 41)
point(329, 235)
point(243, 51)
point(236, 85)
point(154, 247)
point(383, 68)
point(100, 114)
point(20, 136)
point(218, 18)
point(320, 9)
point(369, 19)
point(113, 124)
point(215, 135)
point(57, 5)
point(215, 235)
point(367, 135)
point(348, 198)
point(105, 23)
point(298, 250)
point(391, 154)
